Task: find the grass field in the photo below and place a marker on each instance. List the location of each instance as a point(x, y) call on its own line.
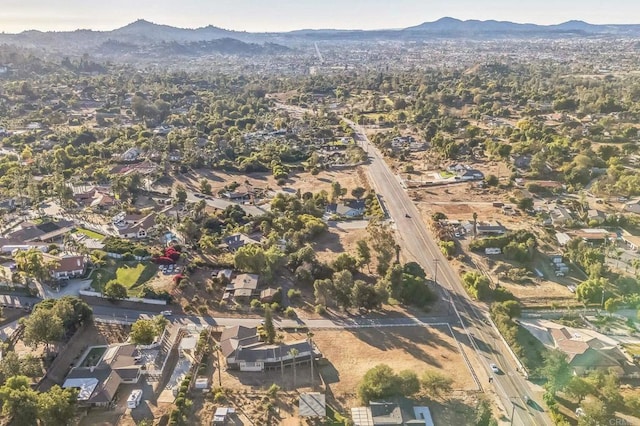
point(132, 276)
point(91, 234)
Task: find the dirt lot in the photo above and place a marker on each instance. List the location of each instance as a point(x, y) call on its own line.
point(304, 181)
point(336, 241)
point(412, 348)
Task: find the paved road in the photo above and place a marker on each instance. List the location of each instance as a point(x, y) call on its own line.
point(416, 241)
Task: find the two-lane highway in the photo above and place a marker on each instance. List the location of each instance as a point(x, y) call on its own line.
point(416, 241)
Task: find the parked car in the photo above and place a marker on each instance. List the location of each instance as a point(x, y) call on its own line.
point(166, 313)
point(494, 368)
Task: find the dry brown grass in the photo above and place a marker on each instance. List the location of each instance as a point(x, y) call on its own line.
point(350, 353)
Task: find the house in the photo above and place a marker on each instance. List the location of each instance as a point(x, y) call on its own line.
point(243, 350)
point(348, 209)
point(632, 206)
point(470, 174)
point(522, 161)
point(8, 245)
point(588, 351)
point(632, 241)
point(241, 193)
point(242, 286)
point(66, 267)
point(8, 204)
point(45, 232)
point(175, 156)
point(235, 241)
point(596, 216)
point(140, 229)
point(312, 404)
point(98, 381)
point(559, 216)
point(594, 235)
point(131, 154)
point(222, 414)
point(483, 228)
point(388, 414)
point(267, 295)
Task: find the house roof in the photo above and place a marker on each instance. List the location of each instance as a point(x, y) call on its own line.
point(232, 336)
point(245, 281)
point(386, 413)
point(66, 264)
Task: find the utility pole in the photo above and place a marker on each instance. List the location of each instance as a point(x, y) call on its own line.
point(435, 272)
point(310, 337)
point(513, 411)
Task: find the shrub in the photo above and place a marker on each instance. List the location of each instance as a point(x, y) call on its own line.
point(290, 312)
point(203, 310)
point(273, 390)
point(320, 309)
point(294, 293)
point(255, 304)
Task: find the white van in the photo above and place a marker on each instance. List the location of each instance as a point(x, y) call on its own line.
point(134, 398)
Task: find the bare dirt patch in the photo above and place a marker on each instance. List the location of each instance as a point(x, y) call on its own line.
point(402, 348)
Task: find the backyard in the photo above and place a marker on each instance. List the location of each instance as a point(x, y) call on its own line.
point(89, 233)
point(132, 275)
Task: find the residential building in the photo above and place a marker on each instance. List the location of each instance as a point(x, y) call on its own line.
point(389, 414)
point(632, 206)
point(560, 215)
point(243, 350)
point(587, 352)
point(243, 286)
point(98, 381)
point(66, 267)
point(140, 229)
point(347, 209)
point(596, 216)
point(235, 241)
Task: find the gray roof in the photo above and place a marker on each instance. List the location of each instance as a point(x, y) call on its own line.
point(312, 404)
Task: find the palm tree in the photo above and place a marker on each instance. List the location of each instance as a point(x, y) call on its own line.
point(294, 352)
point(475, 224)
point(310, 339)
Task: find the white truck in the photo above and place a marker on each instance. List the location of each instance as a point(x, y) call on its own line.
point(134, 398)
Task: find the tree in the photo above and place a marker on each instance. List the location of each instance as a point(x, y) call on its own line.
point(144, 331)
point(358, 192)
point(484, 414)
point(336, 191)
point(409, 383)
point(435, 383)
point(492, 180)
point(345, 262)
point(611, 305)
point(114, 290)
point(181, 194)
point(378, 383)
point(595, 413)
point(525, 204)
point(268, 328)
point(475, 224)
point(556, 370)
point(42, 326)
point(57, 406)
point(578, 388)
point(19, 401)
point(363, 253)
point(205, 186)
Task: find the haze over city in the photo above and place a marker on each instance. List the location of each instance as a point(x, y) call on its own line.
point(286, 15)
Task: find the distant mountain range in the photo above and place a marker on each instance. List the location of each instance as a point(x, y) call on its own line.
point(144, 33)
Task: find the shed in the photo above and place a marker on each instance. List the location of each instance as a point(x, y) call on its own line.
point(221, 414)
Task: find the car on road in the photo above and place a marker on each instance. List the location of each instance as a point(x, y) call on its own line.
point(494, 368)
point(197, 195)
point(457, 235)
point(166, 313)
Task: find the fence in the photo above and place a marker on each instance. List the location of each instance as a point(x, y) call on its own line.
point(128, 299)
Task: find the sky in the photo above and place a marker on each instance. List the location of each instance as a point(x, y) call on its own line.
point(286, 15)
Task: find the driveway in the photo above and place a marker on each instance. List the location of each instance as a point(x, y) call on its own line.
point(72, 288)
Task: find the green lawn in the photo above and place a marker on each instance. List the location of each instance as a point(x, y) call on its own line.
point(446, 175)
point(131, 275)
point(91, 234)
point(633, 349)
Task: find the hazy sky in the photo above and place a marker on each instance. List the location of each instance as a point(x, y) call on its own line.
point(284, 15)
